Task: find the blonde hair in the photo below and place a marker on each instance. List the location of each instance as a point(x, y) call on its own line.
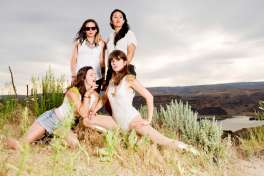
point(97, 38)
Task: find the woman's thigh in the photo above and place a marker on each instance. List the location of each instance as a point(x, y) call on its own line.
point(101, 120)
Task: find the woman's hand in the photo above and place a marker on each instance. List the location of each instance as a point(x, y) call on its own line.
point(149, 120)
point(94, 86)
point(92, 114)
point(90, 90)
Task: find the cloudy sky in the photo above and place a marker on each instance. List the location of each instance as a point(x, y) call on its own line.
point(179, 42)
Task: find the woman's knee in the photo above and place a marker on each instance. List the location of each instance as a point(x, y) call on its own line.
point(140, 129)
point(73, 143)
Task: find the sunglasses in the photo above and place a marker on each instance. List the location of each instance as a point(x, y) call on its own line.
point(90, 28)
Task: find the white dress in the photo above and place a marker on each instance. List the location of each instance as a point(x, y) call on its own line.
point(121, 98)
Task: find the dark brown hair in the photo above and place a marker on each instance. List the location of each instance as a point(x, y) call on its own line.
point(81, 35)
point(117, 77)
point(124, 29)
point(79, 81)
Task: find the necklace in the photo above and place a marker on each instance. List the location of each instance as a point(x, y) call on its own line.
point(114, 92)
point(90, 45)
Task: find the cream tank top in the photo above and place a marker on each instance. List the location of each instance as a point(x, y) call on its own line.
point(88, 56)
point(65, 110)
point(121, 99)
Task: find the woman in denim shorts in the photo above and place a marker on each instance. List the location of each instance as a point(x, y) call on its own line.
point(79, 98)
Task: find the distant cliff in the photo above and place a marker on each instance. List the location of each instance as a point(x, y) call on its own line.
point(218, 99)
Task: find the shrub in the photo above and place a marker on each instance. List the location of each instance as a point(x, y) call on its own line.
point(179, 117)
point(260, 113)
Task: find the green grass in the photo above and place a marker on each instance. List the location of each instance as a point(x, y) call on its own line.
point(47, 93)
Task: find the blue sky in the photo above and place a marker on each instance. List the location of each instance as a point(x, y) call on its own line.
point(179, 42)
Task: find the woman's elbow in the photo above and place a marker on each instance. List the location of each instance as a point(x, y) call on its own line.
point(150, 98)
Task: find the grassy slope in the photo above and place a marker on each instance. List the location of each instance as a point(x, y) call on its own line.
point(148, 159)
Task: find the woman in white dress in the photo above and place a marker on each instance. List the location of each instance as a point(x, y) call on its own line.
point(88, 50)
point(120, 93)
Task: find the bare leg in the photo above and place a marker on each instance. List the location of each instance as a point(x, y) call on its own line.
point(72, 140)
point(35, 132)
point(104, 121)
point(157, 137)
point(147, 130)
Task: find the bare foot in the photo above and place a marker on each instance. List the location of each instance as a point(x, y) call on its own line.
point(12, 143)
point(186, 147)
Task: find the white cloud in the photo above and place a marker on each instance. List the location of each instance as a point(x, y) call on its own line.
point(179, 42)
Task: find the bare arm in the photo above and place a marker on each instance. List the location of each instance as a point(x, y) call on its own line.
point(73, 61)
point(102, 54)
point(100, 103)
point(80, 106)
point(135, 84)
point(93, 106)
point(130, 52)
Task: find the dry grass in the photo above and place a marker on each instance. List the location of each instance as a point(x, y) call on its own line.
point(129, 155)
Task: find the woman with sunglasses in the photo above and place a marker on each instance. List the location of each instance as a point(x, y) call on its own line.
point(121, 39)
point(88, 50)
point(120, 93)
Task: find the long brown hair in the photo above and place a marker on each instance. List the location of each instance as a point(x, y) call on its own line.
point(117, 77)
point(79, 81)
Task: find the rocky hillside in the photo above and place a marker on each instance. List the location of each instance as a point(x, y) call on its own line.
point(219, 99)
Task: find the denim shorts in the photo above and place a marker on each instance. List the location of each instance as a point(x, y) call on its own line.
point(48, 120)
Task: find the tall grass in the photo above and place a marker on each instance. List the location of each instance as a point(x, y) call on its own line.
point(47, 93)
point(9, 105)
point(252, 142)
point(64, 162)
point(116, 141)
point(24, 122)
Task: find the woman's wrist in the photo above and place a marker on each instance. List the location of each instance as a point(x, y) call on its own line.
point(150, 119)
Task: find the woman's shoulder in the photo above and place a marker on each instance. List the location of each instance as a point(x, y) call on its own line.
point(73, 94)
point(74, 90)
point(111, 35)
point(77, 42)
point(95, 94)
point(101, 43)
point(131, 37)
point(129, 32)
point(129, 78)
